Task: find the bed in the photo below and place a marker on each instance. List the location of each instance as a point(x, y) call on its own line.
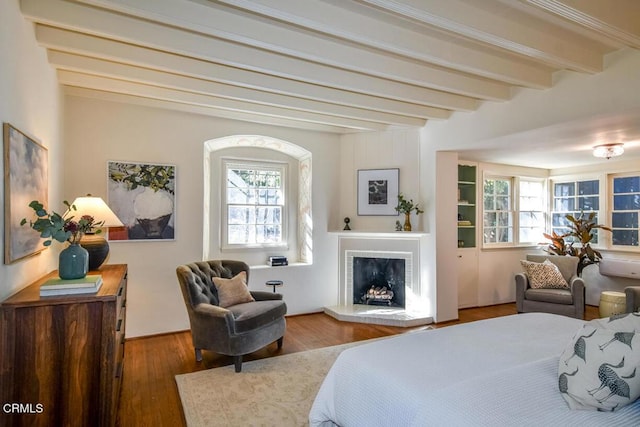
point(501, 371)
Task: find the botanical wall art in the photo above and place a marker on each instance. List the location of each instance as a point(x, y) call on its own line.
point(377, 191)
point(25, 180)
point(143, 197)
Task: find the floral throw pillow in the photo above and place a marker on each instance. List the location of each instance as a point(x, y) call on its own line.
point(600, 367)
point(232, 291)
point(544, 275)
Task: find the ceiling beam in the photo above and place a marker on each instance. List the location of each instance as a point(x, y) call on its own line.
point(71, 78)
point(113, 70)
point(409, 104)
point(218, 21)
point(209, 111)
point(342, 23)
point(601, 17)
point(156, 36)
point(505, 27)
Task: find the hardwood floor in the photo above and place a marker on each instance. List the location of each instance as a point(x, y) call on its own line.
point(149, 395)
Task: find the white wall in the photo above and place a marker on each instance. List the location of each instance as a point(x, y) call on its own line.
point(378, 150)
point(573, 96)
point(30, 101)
point(97, 131)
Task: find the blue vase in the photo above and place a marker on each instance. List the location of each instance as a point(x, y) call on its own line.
point(73, 262)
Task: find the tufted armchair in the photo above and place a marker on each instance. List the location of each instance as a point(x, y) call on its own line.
point(236, 330)
point(568, 302)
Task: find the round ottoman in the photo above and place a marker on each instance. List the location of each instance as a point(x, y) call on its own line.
point(612, 303)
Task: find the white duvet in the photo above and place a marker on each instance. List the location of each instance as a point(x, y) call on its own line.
point(500, 371)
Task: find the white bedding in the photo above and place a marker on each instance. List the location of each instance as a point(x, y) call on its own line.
point(499, 371)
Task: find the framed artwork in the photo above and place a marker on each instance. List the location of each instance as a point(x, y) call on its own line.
point(26, 177)
point(142, 195)
point(378, 191)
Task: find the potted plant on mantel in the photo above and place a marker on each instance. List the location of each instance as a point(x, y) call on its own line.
point(406, 207)
point(581, 229)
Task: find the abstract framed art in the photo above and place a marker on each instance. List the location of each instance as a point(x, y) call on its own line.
point(142, 195)
point(26, 178)
point(378, 191)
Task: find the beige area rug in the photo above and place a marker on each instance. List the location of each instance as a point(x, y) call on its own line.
point(276, 391)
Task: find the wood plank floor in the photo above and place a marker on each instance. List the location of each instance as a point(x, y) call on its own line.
point(149, 396)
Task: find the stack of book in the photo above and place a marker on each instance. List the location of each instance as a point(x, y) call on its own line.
point(278, 260)
point(56, 286)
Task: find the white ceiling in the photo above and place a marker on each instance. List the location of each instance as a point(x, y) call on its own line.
point(333, 65)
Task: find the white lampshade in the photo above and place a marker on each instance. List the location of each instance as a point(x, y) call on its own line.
point(97, 208)
point(608, 150)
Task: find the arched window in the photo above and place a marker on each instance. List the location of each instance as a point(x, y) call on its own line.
point(253, 198)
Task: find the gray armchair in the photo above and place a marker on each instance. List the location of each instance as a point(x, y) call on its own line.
point(236, 330)
point(633, 298)
point(568, 302)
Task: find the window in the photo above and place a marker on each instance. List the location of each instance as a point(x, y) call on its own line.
point(531, 208)
point(498, 210)
point(626, 209)
point(571, 198)
point(255, 203)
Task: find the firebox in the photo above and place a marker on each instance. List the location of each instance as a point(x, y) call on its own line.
point(379, 281)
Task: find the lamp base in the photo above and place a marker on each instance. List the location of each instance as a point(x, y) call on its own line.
point(98, 249)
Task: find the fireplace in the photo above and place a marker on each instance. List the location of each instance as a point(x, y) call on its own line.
point(379, 281)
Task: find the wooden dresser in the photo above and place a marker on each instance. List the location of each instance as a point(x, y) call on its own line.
point(61, 358)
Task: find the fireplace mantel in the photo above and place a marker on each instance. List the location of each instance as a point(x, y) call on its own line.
point(380, 235)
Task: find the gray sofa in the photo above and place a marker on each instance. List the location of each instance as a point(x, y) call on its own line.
point(234, 331)
point(568, 302)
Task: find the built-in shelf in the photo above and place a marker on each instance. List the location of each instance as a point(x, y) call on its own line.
point(290, 265)
point(467, 205)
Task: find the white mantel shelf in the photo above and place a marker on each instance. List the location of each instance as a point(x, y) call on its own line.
point(380, 235)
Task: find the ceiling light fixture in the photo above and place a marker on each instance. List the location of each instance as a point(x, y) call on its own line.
point(608, 151)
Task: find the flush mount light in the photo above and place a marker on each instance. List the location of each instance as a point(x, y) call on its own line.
point(608, 151)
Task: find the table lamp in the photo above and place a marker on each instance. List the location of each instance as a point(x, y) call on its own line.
point(95, 244)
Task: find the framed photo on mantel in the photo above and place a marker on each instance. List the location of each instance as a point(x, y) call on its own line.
point(378, 191)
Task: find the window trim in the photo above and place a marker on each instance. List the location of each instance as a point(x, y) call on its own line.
point(281, 166)
point(515, 209)
point(610, 210)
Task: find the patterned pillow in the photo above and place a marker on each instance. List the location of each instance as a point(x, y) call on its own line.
point(232, 291)
point(599, 367)
point(544, 275)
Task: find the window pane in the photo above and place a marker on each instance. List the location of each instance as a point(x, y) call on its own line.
point(268, 233)
point(504, 219)
point(490, 219)
point(503, 187)
point(241, 234)
point(267, 215)
point(588, 187)
point(589, 203)
point(504, 235)
point(489, 235)
point(502, 203)
point(489, 203)
point(241, 215)
point(625, 220)
point(240, 196)
point(564, 205)
point(564, 189)
point(625, 237)
point(626, 202)
point(630, 184)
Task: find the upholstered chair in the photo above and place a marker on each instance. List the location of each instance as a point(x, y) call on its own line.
point(633, 298)
point(568, 301)
point(235, 330)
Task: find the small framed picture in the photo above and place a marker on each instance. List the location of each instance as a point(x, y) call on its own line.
point(378, 191)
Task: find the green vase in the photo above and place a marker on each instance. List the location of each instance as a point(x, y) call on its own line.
point(73, 262)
